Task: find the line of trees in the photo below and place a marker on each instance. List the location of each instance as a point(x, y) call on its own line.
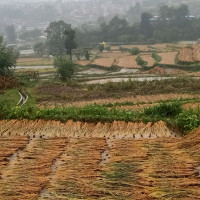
point(173, 24)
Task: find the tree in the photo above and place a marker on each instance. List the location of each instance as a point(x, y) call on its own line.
point(39, 48)
point(70, 44)
point(166, 12)
point(101, 48)
point(135, 51)
point(7, 58)
point(181, 12)
point(65, 67)
point(11, 35)
point(56, 35)
point(145, 25)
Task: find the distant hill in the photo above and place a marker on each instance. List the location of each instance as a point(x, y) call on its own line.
point(153, 5)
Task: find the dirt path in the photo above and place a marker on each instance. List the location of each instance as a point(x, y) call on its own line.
point(98, 165)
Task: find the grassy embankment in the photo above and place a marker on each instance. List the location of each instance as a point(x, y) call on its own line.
point(168, 111)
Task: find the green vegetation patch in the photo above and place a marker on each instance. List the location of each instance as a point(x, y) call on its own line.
point(156, 57)
point(122, 172)
point(171, 113)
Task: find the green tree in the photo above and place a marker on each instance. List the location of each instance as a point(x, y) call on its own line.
point(101, 48)
point(7, 58)
point(65, 67)
point(70, 43)
point(56, 36)
point(87, 55)
point(181, 11)
point(135, 51)
point(39, 48)
point(11, 34)
point(145, 25)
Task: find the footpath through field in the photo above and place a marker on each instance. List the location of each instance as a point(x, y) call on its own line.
point(99, 165)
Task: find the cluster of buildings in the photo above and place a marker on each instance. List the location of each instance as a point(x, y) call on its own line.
point(71, 11)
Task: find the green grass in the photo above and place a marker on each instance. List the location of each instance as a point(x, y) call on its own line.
point(11, 97)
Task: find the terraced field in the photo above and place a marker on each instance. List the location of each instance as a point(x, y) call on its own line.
point(168, 57)
point(148, 58)
point(186, 54)
point(44, 160)
point(190, 54)
point(139, 99)
point(128, 62)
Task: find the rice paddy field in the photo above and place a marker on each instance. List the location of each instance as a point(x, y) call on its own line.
point(137, 138)
point(51, 160)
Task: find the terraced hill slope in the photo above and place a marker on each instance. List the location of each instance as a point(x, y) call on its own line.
point(49, 160)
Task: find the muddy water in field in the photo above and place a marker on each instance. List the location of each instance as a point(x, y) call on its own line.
point(115, 80)
point(34, 67)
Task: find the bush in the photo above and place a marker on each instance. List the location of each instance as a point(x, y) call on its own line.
point(156, 57)
point(141, 62)
point(165, 110)
point(65, 68)
point(7, 82)
point(87, 55)
point(101, 48)
point(187, 120)
point(122, 49)
point(135, 51)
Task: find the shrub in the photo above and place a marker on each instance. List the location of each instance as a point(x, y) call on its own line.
point(65, 68)
point(187, 120)
point(135, 51)
point(165, 110)
point(101, 48)
point(87, 55)
point(122, 49)
point(156, 57)
point(141, 62)
point(7, 82)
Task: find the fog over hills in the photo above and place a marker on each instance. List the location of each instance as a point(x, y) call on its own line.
point(39, 13)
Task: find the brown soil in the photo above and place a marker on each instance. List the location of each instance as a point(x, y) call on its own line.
point(107, 62)
point(191, 106)
point(168, 57)
point(128, 62)
point(186, 54)
point(83, 62)
point(75, 168)
point(196, 53)
point(114, 55)
point(148, 58)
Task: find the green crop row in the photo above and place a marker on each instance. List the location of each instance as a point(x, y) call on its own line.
point(172, 113)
